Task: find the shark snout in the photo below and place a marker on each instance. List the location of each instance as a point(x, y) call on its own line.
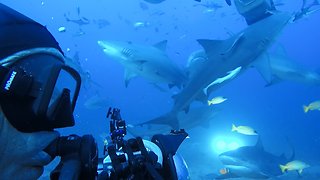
point(110, 48)
point(101, 44)
point(107, 44)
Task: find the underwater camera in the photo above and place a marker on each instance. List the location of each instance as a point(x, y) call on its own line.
point(136, 158)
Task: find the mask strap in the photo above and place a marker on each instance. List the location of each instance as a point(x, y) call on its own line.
point(8, 61)
point(6, 80)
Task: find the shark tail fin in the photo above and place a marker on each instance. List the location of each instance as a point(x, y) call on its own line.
point(305, 109)
point(234, 128)
point(209, 103)
point(283, 168)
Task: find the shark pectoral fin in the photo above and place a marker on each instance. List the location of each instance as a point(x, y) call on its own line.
point(128, 75)
point(139, 63)
point(162, 45)
point(262, 64)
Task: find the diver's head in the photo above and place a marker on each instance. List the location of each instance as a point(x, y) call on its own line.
point(38, 91)
point(254, 10)
point(37, 94)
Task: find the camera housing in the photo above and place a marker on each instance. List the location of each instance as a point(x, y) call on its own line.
point(136, 158)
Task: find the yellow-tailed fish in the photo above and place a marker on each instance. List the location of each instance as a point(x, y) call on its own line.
point(312, 106)
point(216, 100)
point(294, 166)
point(244, 130)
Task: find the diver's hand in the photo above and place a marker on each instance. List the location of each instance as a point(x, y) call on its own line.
point(22, 155)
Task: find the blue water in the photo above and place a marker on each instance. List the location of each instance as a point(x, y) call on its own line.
point(275, 112)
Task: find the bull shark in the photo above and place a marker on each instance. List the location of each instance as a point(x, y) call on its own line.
point(274, 67)
point(209, 5)
point(225, 57)
point(252, 162)
point(150, 62)
point(306, 10)
point(277, 67)
point(80, 20)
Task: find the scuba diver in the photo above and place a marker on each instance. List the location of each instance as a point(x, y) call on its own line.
point(38, 93)
point(254, 10)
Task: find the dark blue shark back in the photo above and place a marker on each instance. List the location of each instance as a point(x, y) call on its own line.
point(266, 162)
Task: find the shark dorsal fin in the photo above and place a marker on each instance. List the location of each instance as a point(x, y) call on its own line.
point(220, 47)
point(211, 45)
point(259, 144)
point(162, 45)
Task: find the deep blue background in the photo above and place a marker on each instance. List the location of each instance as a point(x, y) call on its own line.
point(275, 112)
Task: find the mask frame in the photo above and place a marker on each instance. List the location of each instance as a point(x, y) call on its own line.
point(32, 78)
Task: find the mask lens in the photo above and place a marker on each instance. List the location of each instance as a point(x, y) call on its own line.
point(65, 80)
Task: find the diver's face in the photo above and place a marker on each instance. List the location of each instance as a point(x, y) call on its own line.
point(21, 154)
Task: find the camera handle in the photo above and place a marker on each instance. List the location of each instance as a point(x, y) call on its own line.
point(68, 168)
point(79, 157)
